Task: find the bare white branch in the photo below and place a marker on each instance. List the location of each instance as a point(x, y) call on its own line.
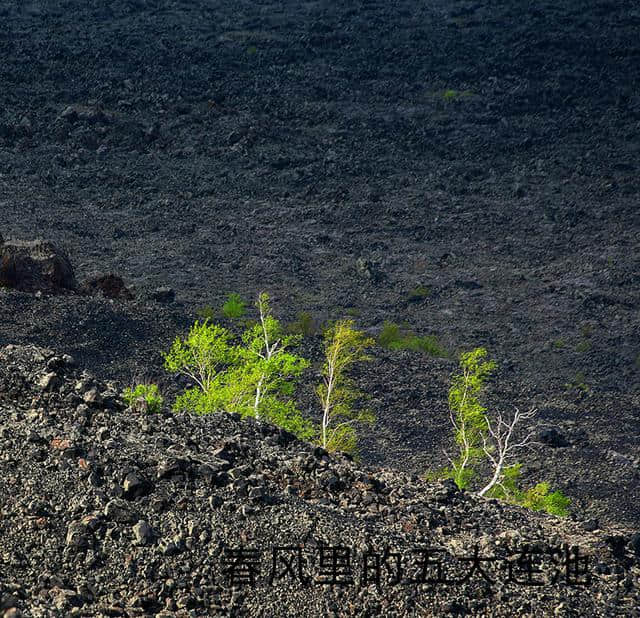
point(502, 435)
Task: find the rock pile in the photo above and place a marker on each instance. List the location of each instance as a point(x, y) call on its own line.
point(105, 511)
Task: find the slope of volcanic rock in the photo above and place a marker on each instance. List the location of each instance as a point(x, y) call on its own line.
point(110, 512)
point(339, 155)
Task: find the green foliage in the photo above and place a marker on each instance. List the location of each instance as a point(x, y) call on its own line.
point(205, 356)
point(343, 346)
point(148, 392)
point(305, 325)
point(586, 330)
point(468, 414)
point(393, 337)
point(344, 439)
point(578, 384)
point(389, 335)
point(450, 95)
point(267, 368)
point(253, 378)
point(583, 347)
point(418, 293)
point(536, 498)
point(472, 436)
point(202, 355)
point(234, 306)
point(507, 489)
point(207, 312)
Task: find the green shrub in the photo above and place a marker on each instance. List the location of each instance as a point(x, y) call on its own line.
point(450, 95)
point(234, 306)
point(578, 384)
point(207, 312)
point(583, 347)
point(305, 325)
point(390, 335)
point(148, 392)
point(253, 378)
point(536, 498)
point(418, 293)
point(393, 337)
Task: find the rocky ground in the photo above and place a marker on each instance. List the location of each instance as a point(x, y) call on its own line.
point(119, 512)
point(339, 155)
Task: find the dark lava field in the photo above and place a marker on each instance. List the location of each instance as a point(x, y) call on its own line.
point(339, 155)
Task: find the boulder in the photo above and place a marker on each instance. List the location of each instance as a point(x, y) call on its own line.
point(35, 265)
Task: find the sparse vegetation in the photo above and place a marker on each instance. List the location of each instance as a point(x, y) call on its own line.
point(418, 293)
point(583, 347)
point(257, 377)
point(393, 337)
point(207, 312)
point(450, 95)
point(586, 330)
point(147, 392)
point(305, 325)
point(234, 306)
point(578, 384)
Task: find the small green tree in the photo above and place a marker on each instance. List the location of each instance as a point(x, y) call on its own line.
point(343, 346)
point(265, 377)
point(467, 414)
point(255, 378)
point(479, 437)
point(205, 357)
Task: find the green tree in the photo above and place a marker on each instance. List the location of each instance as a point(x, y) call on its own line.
point(467, 414)
point(205, 357)
point(264, 380)
point(343, 346)
point(480, 438)
point(254, 378)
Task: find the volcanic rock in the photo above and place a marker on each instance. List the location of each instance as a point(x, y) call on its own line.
point(36, 265)
point(109, 286)
point(264, 542)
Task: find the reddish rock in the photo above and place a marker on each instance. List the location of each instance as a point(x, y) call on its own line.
point(110, 286)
